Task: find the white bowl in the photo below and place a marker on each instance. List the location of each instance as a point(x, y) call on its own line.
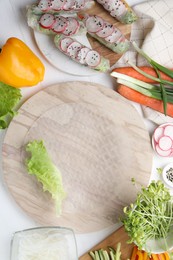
point(167, 174)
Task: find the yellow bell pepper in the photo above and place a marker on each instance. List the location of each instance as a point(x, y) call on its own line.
point(19, 66)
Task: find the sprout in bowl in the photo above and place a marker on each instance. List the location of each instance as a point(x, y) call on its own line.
point(149, 221)
point(44, 243)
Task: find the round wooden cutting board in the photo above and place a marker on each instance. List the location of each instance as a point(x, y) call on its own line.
point(95, 138)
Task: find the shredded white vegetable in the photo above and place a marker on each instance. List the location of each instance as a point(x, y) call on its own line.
point(43, 247)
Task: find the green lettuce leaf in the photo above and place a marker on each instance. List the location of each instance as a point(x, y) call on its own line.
point(9, 98)
point(41, 165)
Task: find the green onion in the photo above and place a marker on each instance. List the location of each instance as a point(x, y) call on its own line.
point(148, 75)
point(152, 62)
point(143, 87)
point(165, 93)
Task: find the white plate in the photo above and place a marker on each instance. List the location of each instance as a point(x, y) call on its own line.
point(58, 59)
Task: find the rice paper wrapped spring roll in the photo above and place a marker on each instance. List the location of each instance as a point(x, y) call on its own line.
point(81, 53)
point(106, 33)
point(120, 10)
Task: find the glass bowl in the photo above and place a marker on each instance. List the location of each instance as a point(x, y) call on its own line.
point(161, 245)
point(43, 243)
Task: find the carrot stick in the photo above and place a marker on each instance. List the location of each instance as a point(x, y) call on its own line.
point(134, 252)
point(135, 74)
point(137, 97)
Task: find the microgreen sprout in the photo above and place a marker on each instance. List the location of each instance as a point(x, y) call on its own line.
point(151, 215)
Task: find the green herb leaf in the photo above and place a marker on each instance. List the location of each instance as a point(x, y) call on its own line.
point(41, 165)
point(9, 98)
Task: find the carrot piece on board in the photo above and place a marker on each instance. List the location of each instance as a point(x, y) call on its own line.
point(134, 252)
point(137, 97)
point(161, 256)
point(166, 255)
point(145, 255)
point(129, 71)
point(154, 256)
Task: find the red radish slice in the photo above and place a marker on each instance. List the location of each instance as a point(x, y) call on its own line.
point(94, 23)
point(81, 55)
point(60, 24)
point(72, 26)
point(165, 143)
point(158, 133)
point(57, 5)
point(169, 131)
point(106, 31)
point(117, 8)
point(69, 5)
point(79, 4)
point(93, 58)
point(47, 20)
point(115, 36)
point(102, 2)
point(162, 152)
point(73, 49)
point(64, 43)
point(44, 5)
point(108, 6)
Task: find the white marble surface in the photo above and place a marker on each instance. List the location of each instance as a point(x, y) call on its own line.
point(12, 218)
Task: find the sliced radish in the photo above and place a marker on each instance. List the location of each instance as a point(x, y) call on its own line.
point(93, 58)
point(165, 143)
point(169, 131)
point(108, 6)
point(73, 49)
point(106, 31)
point(162, 152)
point(47, 20)
point(94, 23)
point(69, 5)
point(102, 2)
point(44, 5)
point(60, 24)
point(72, 26)
point(158, 133)
point(57, 5)
point(117, 8)
point(64, 43)
point(115, 36)
point(79, 4)
point(81, 55)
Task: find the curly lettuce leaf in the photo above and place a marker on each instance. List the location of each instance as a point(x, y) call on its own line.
point(41, 165)
point(9, 98)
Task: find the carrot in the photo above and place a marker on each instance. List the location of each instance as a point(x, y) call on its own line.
point(149, 70)
point(134, 252)
point(137, 97)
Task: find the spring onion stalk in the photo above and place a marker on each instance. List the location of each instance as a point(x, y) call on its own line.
point(152, 62)
point(164, 94)
point(148, 75)
point(159, 92)
point(151, 215)
point(159, 80)
point(133, 80)
point(144, 91)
